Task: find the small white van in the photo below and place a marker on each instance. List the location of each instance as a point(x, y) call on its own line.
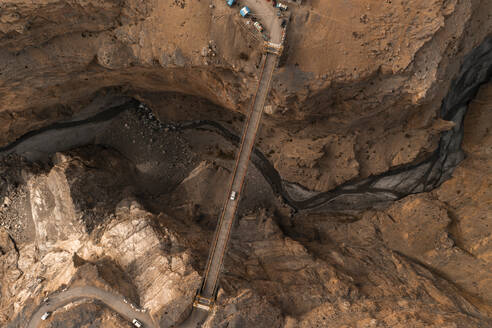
point(45, 316)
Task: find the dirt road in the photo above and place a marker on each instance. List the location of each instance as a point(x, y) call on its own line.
point(266, 14)
point(115, 302)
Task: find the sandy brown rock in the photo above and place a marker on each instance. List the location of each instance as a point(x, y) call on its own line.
point(356, 94)
point(402, 266)
point(122, 249)
point(357, 282)
point(347, 68)
point(447, 231)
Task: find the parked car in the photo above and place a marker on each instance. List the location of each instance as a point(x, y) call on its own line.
point(45, 316)
point(231, 2)
point(137, 323)
point(282, 6)
point(234, 193)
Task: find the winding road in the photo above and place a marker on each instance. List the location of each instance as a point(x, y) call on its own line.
point(115, 302)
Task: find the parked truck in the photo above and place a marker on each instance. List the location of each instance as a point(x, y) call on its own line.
point(258, 26)
point(245, 11)
point(231, 2)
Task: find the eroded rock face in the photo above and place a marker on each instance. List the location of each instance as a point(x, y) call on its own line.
point(446, 230)
point(356, 283)
point(362, 79)
point(164, 283)
point(422, 261)
point(358, 93)
point(123, 242)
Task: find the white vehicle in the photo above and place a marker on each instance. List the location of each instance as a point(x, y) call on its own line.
point(233, 195)
point(137, 323)
point(281, 6)
point(258, 26)
point(45, 316)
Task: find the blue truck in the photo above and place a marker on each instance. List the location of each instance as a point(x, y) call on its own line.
point(244, 11)
point(231, 2)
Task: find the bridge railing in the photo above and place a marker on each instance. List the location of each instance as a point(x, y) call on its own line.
point(205, 299)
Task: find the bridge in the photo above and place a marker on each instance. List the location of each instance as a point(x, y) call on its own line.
point(205, 298)
point(219, 245)
point(272, 51)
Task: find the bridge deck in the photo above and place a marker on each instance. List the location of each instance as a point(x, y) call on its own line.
point(224, 226)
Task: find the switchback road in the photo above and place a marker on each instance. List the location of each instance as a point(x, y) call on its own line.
point(115, 302)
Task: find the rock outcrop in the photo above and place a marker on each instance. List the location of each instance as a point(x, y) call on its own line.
point(348, 68)
point(115, 242)
point(368, 201)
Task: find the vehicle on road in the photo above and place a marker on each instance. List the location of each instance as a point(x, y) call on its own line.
point(258, 26)
point(203, 303)
point(45, 316)
point(231, 2)
point(137, 323)
point(284, 22)
point(245, 11)
point(234, 193)
point(282, 6)
point(46, 300)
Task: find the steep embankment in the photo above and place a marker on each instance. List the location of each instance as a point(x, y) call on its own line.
point(424, 175)
point(358, 93)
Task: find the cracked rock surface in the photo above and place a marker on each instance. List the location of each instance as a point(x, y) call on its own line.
point(358, 92)
point(422, 261)
point(368, 202)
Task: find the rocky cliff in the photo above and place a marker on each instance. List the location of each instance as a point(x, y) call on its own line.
point(368, 201)
point(358, 92)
